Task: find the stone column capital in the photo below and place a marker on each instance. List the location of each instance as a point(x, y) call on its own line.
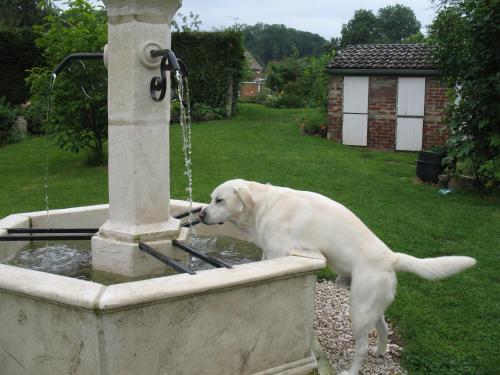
point(142, 8)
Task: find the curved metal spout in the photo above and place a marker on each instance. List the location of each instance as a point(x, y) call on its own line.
point(77, 56)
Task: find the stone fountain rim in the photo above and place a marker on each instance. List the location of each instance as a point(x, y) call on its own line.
point(88, 295)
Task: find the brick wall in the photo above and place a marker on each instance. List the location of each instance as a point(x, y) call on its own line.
point(335, 85)
point(435, 132)
point(382, 96)
point(249, 89)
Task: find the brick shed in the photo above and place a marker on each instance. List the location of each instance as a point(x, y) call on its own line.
point(386, 96)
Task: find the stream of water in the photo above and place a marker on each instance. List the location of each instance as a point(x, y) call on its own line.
point(185, 121)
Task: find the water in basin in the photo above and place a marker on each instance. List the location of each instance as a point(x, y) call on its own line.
point(74, 258)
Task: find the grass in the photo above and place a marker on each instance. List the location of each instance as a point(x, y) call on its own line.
point(448, 327)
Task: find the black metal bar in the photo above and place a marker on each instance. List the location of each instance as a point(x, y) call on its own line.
point(52, 230)
point(46, 238)
point(193, 223)
point(77, 56)
point(206, 258)
point(186, 213)
point(163, 258)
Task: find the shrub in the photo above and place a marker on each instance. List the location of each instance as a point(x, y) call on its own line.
point(315, 124)
point(465, 37)
point(299, 82)
point(8, 132)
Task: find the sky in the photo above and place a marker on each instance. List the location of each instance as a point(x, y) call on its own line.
point(323, 17)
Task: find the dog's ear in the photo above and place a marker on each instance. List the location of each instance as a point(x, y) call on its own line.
point(245, 196)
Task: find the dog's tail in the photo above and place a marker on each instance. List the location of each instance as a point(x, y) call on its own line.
point(432, 268)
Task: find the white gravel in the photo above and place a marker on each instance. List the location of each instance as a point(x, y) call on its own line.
point(332, 325)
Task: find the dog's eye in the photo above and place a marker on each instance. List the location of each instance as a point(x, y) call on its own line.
point(218, 200)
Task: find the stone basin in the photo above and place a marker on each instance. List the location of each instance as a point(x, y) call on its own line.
point(255, 318)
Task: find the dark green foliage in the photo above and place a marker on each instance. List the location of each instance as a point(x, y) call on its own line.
point(466, 36)
point(17, 54)
point(77, 121)
point(24, 13)
point(7, 117)
point(215, 61)
point(299, 82)
point(361, 29)
point(392, 24)
point(396, 22)
point(275, 42)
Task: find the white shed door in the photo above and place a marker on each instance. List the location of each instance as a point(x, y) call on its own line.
point(409, 134)
point(409, 128)
point(355, 108)
point(355, 130)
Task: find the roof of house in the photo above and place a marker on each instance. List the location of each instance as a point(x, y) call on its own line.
point(383, 58)
point(254, 64)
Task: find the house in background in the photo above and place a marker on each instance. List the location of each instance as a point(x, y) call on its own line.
point(386, 96)
point(253, 87)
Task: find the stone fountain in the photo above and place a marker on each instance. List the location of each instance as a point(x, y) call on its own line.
point(254, 318)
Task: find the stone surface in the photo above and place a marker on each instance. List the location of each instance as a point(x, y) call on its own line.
point(8, 249)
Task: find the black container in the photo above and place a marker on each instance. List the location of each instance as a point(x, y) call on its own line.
point(429, 165)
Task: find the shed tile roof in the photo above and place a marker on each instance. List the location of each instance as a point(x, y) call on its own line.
point(384, 56)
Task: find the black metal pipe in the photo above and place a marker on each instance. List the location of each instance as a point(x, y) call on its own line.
point(163, 258)
point(77, 56)
point(192, 224)
point(206, 258)
point(52, 230)
point(46, 238)
point(172, 60)
point(186, 213)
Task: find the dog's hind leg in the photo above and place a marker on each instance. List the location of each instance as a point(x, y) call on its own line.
point(382, 335)
point(371, 293)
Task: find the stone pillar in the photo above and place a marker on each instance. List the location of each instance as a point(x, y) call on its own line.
point(138, 139)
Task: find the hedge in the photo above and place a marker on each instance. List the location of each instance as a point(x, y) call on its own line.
point(18, 53)
point(215, 61)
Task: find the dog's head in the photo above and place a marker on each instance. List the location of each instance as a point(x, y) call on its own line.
point(229, 201)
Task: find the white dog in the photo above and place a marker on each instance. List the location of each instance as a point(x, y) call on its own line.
point(279, 220)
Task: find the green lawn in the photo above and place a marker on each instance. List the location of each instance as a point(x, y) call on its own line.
point(448, 327)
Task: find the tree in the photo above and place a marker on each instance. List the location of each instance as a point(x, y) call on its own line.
point(466, 37)
point(361, 29)
point(78, 118)
point(396, 22)
point(24, 13)
point(392, 24)
point(275, 42)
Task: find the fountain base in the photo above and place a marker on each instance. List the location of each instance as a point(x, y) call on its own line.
point(116, 251)
point(254, 318)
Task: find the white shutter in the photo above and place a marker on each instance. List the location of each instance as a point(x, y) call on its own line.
point(355, 120)
point(409, 134)
point(411, 107)
point(355, 130)
point(411, 96)
point(355, 94)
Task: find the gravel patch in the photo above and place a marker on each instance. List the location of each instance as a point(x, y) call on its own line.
point(332, 326)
